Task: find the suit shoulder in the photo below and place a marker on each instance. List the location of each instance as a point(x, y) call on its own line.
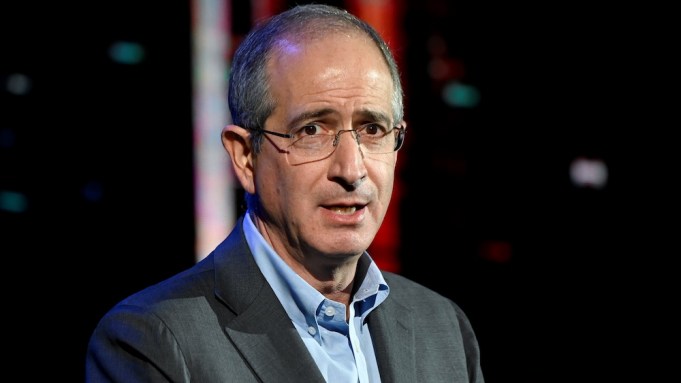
point(414, 296)
point(197, 280)
point(402, 285)
point(411, 293)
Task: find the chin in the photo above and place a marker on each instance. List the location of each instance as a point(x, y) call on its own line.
point(348, 248)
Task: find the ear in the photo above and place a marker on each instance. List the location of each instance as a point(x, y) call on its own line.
point(402, 124)
point(236, 141)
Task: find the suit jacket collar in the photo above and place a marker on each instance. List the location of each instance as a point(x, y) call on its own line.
point(260, 330)
point(264, 334)
point(391, 326)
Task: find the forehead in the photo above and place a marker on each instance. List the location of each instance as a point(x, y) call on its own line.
point(341, 67)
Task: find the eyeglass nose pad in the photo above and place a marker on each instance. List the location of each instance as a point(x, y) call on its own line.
point(356, 136)
point(336, 139)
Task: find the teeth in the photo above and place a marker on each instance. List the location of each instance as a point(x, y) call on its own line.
point(344, 209)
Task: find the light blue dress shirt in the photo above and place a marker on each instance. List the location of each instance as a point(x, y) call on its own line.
point(342, 350)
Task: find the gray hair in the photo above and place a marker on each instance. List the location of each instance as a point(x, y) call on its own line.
point(250, 101)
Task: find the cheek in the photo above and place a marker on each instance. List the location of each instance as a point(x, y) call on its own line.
point(383, 174)
point(269, 178)
point(280, 185)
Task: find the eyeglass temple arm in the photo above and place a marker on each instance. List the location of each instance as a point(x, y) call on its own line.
point(285, 135)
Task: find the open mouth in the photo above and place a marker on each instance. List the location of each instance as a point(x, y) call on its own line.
point(344, 209)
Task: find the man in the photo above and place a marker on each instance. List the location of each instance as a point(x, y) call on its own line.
point(291, 295)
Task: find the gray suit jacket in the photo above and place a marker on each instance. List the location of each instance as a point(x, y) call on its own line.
point(219, 321)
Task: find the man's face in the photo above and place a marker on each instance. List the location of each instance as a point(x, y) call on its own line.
point(335, 205)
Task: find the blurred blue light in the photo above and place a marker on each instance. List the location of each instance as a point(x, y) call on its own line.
point(92, 191)
point(460, 95)
point(7, 138)
point(125, 52)
point(13, 202)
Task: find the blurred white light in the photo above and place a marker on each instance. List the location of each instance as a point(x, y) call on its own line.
point(589, 172)
point(214, 188)
point(18, 84)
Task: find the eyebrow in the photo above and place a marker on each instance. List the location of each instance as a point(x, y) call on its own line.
point(366, 114)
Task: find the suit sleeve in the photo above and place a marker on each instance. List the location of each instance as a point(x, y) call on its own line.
point(132, 345)
point(471, 346)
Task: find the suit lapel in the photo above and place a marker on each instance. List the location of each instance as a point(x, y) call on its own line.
point(391, 332)
point(271, 345)
point(261, 330)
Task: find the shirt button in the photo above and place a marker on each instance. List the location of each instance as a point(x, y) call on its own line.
point(330, 311)
point(311, 330)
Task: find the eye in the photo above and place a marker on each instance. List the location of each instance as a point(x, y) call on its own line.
point(310, 130)
point(306, 131)
point(374, 129)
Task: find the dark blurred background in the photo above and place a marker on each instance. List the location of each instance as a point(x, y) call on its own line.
point(562, 280)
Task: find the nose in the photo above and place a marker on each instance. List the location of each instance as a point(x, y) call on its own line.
point(348, 159)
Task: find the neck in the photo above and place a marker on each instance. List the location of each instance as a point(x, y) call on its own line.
point(331, 274)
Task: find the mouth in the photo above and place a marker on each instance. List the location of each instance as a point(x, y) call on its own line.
point(343, 209)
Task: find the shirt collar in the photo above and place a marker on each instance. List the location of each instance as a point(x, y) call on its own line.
point(300, 300)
